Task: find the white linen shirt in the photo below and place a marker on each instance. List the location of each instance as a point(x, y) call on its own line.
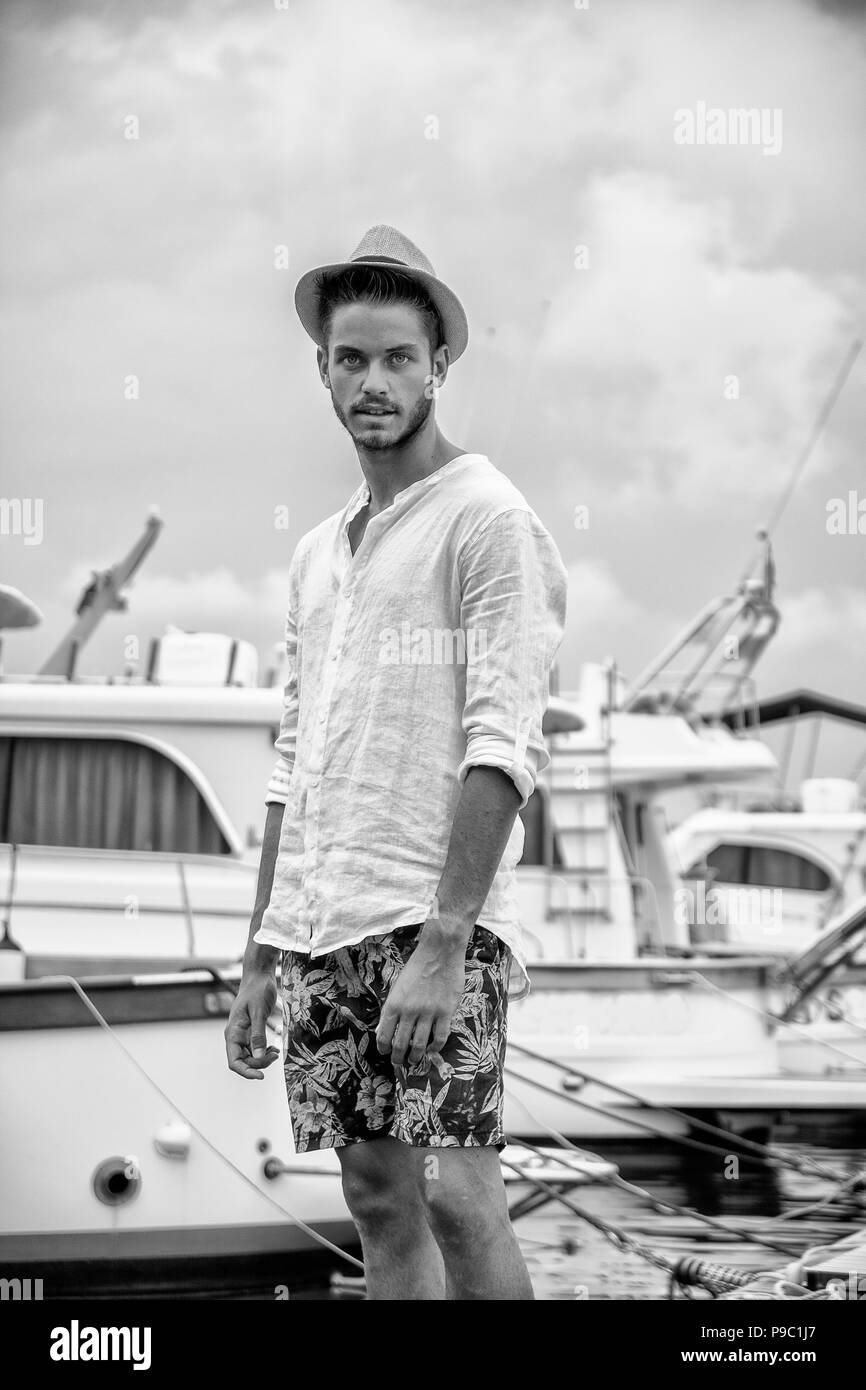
point(426, 653)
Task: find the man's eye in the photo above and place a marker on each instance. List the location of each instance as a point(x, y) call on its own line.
point(402, 355)
point(350, 358)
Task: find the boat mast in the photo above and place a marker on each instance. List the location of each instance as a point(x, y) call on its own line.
point(705, 668)
point(723, 643)
point(104, 593)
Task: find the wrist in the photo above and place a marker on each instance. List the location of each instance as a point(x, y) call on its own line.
point(448, 934)
point(260, 959)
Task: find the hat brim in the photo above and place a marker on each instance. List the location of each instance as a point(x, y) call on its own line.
point(455, 329)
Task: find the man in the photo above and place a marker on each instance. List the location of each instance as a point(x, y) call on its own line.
point(422, 623)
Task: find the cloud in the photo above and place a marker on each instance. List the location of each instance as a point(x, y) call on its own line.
point(820, 643)
point(692, 371)
point(261, 127)
point(602, 621)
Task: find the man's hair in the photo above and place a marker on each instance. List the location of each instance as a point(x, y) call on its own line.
point(377, 285)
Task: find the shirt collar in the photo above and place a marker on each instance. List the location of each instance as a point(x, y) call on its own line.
point(361, 496)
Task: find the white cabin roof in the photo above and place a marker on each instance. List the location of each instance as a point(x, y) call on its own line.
point(668, 751)
point(139, 703)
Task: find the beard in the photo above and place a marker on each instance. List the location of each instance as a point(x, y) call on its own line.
point(379, 437)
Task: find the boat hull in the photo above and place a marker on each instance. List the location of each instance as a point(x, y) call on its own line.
point(211, 1155)
point(156, 1098)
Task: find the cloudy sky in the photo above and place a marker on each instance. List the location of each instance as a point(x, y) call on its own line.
point(502, 137)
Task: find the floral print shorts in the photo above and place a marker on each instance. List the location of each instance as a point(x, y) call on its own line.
point(342, 1090)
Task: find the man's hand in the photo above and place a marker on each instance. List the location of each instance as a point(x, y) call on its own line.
point(246, 1039)
point(422, 1001)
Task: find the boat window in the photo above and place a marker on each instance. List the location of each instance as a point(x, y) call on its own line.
point(729, 863)
point(766, 866)
point(532, 815)
point(781, 868)
point(101, 793)
point(535, 824)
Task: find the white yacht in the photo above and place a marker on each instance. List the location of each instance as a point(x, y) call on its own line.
point(799, 855)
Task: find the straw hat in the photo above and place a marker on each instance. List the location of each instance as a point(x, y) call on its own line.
point(385, 246)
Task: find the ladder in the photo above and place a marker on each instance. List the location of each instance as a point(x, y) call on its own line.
point(582, 812)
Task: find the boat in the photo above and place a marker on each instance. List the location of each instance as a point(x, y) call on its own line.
point(798, 854)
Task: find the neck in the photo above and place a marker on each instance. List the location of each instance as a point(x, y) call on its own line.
point(389, 471)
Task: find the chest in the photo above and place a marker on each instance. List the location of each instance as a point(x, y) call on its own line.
point(356, 529)
point(403, 572)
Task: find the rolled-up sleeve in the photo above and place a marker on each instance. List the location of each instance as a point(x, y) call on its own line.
point(513, 608)
point(286, 742)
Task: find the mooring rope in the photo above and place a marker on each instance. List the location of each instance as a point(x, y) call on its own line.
point(616, 1180)
point(764, 1151)
point(720, 1280)
point(771, 1018)
point(683, 1139)
point(844, 1186)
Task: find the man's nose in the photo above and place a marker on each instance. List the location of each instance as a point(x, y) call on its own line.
point(375, 383)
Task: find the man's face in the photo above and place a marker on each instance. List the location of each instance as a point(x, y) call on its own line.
point(378, 370)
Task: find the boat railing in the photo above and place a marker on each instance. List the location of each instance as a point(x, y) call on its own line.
point(10, 902)
point(136, 678)
point(596, 890)
point(25, 678)
point(747, 797)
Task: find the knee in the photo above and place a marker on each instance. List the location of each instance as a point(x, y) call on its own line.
point(371, 1194)
point(462, 1212)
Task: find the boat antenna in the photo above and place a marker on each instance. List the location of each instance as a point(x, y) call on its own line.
point(805, 454)
point(105, 591)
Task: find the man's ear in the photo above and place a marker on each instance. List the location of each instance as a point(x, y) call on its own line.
point(322, 362)
point(441, 363)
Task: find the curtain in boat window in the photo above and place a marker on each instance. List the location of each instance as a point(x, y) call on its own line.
point(101, 794)
point(532, 816)
point(780, 868)
point(765, 866)
point(729, 862)
point(535, 827)
point(5, 780)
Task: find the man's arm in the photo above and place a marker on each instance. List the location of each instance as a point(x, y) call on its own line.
point(513, 601)
point(245, 1033)
point(483, 821)
point(423, 1000)
point(257, 956)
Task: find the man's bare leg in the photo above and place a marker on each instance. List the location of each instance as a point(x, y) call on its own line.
point(382, 1184)
point(468, 1213)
